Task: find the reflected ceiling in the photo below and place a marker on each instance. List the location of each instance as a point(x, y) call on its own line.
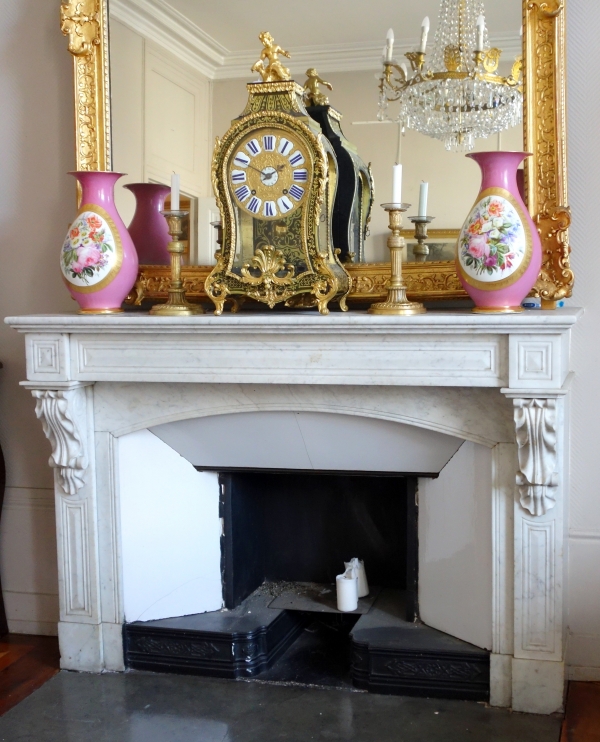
point(235, 24)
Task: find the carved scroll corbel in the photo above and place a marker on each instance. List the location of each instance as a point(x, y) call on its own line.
point(537, 478)
point(62, 413)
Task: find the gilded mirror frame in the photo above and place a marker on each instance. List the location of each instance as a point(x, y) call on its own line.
point(85, 23)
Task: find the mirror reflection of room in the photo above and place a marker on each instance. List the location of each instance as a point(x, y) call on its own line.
point(178, 81)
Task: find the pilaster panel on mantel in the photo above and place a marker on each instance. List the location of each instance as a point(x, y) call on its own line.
point(66, 413)
point(538, 527)
point(539, 550)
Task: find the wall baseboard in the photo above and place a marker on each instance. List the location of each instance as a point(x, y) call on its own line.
point(586, 674)
point(37, 628)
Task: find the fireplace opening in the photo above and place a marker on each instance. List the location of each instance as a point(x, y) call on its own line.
point(300, 528)
point(285, 537)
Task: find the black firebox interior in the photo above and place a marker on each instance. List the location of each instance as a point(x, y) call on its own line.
point(303, 527)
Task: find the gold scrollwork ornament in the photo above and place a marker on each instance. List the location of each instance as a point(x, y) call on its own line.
point(80, 22)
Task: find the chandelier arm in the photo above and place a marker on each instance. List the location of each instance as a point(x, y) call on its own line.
point(394, 83)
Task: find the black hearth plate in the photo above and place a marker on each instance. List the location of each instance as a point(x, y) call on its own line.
point(225, 644)
point(396, 656)
point(313, 597)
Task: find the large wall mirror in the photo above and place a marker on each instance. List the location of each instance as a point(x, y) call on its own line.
point(177, 77)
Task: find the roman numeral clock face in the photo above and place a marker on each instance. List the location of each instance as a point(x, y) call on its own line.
point(269, 174)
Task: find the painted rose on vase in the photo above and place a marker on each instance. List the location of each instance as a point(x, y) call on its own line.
point(88, 253)
point(492, 243)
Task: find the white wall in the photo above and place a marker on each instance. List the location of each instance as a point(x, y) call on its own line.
point(161, 119)
point(584, 183)
point(37, 202)
point(36, 149)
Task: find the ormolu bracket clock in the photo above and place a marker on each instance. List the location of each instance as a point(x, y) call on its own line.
point(275, 176)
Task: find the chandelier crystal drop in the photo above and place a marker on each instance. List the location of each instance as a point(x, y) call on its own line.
point(454, 94)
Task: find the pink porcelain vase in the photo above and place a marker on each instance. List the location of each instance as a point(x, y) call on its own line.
point(498, 254)
point(98, 258)
point(148, 229)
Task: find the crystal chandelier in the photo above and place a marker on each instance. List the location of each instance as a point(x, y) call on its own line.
point(457, 95)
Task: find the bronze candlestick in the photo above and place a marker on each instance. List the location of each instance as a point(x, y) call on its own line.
point(421, 251)
point(176, 305)
point(396, 302)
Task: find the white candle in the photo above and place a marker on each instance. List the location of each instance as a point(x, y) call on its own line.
point(424, 32)
point(397, 184)
point(423, 191)
point(404, 69)
point(389, 45)
point(175, 192)
point(347, 591)
point(358, 565)
point(480, 30)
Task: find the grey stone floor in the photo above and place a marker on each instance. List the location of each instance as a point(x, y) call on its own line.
point(146, 707)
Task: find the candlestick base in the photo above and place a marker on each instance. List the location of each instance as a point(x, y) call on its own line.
point(398, 308)
point(396, 303)
point(176, 305)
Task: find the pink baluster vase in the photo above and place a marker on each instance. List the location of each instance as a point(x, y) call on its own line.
point(498, 253)
point(98, 258)
point(149, 229)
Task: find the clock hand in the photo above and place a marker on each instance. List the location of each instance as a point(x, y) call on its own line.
point(255, 168)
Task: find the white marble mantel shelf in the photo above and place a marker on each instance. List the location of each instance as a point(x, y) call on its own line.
point(440, 348)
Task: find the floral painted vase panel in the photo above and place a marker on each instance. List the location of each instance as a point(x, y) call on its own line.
point(90, 251)
point(492, 243)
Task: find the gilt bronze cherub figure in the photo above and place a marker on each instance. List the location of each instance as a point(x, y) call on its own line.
point(274, 70)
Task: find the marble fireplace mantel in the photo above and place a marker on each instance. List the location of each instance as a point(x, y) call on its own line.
point(96, 378)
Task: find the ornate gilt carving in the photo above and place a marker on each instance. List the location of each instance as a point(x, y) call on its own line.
point(545, 135)
point(262, 273)
point(429, 282)
point(61, 413)
point(537, 478)
point(84, 22)
point(79, 21)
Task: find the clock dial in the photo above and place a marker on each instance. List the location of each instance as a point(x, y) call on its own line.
point(265, 172)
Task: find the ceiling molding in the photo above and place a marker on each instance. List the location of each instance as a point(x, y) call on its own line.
point(160, 23)
point(157, 21)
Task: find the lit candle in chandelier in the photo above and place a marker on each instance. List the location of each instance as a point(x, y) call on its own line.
point(174, 192)
point(424, 33)
point(397, 184)
point(389, 45)
point(480, 30)
point(423, 192)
